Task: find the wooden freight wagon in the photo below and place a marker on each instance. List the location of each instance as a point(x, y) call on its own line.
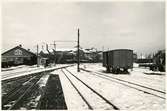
point(118, 60)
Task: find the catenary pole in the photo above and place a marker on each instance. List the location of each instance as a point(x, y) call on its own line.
point(37, 57)
point(55, 51)
point(78, 53)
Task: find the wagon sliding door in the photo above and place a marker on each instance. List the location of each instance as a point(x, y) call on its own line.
point(129, 59)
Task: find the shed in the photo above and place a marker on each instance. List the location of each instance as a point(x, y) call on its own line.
point(18, 56)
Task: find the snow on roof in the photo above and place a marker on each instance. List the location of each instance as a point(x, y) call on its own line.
point(70, 50)
point(66, 49)
point(44, 51)
point(18, 47)
point(86, 51)
point(50, 50)
point(89, 50)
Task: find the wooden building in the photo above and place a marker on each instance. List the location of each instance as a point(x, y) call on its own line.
point(18, 56)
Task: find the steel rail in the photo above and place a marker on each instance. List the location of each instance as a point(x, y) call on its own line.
point(107, 77)
point(107, 101)
point(87, 103)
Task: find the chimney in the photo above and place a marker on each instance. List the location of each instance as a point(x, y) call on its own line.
point(46, 46)
point(42, 47)
point(20, 45)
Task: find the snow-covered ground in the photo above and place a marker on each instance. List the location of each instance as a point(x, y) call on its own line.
point(73, 100)
point(13, 67)
point(136, 75)
point(25, 70)
point(126, 98)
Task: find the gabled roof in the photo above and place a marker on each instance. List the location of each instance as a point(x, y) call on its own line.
point(18, 47)
point(66, 49)
point(49, 51)
point(44, 52)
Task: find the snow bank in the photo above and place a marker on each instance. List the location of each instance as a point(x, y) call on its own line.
point(27, 71)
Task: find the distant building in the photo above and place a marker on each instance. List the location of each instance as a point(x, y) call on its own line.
point(93, 55)
point(46, 56)
point(18, 56)
point(159, 60)
point(69, 55)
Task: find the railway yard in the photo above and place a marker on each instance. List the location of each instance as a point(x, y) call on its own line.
point(83, 56)
point(62, 87)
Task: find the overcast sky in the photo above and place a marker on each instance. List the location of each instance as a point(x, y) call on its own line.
point(136, 25)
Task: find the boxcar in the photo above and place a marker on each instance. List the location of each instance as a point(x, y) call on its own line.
point(118, 60)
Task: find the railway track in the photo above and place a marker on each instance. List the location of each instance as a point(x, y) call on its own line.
point(139, 87)
point(10, 86)
point(25, 91)
point(77, 83)
point(87, 103)
point(14, 99)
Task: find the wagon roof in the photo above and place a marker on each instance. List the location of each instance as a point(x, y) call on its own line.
point(118, 50)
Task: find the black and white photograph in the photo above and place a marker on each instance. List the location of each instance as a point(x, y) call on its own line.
point(83, 55)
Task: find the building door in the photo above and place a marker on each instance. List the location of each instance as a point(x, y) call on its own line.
point(18, 60)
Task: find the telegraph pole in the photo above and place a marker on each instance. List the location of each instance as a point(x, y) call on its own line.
point(54, 44)
point(42, 47)
point(78, 54)
point(102, 48)
point(37, 57)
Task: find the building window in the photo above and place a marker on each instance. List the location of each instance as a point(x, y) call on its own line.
point(18, 52)
point(4, 59)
